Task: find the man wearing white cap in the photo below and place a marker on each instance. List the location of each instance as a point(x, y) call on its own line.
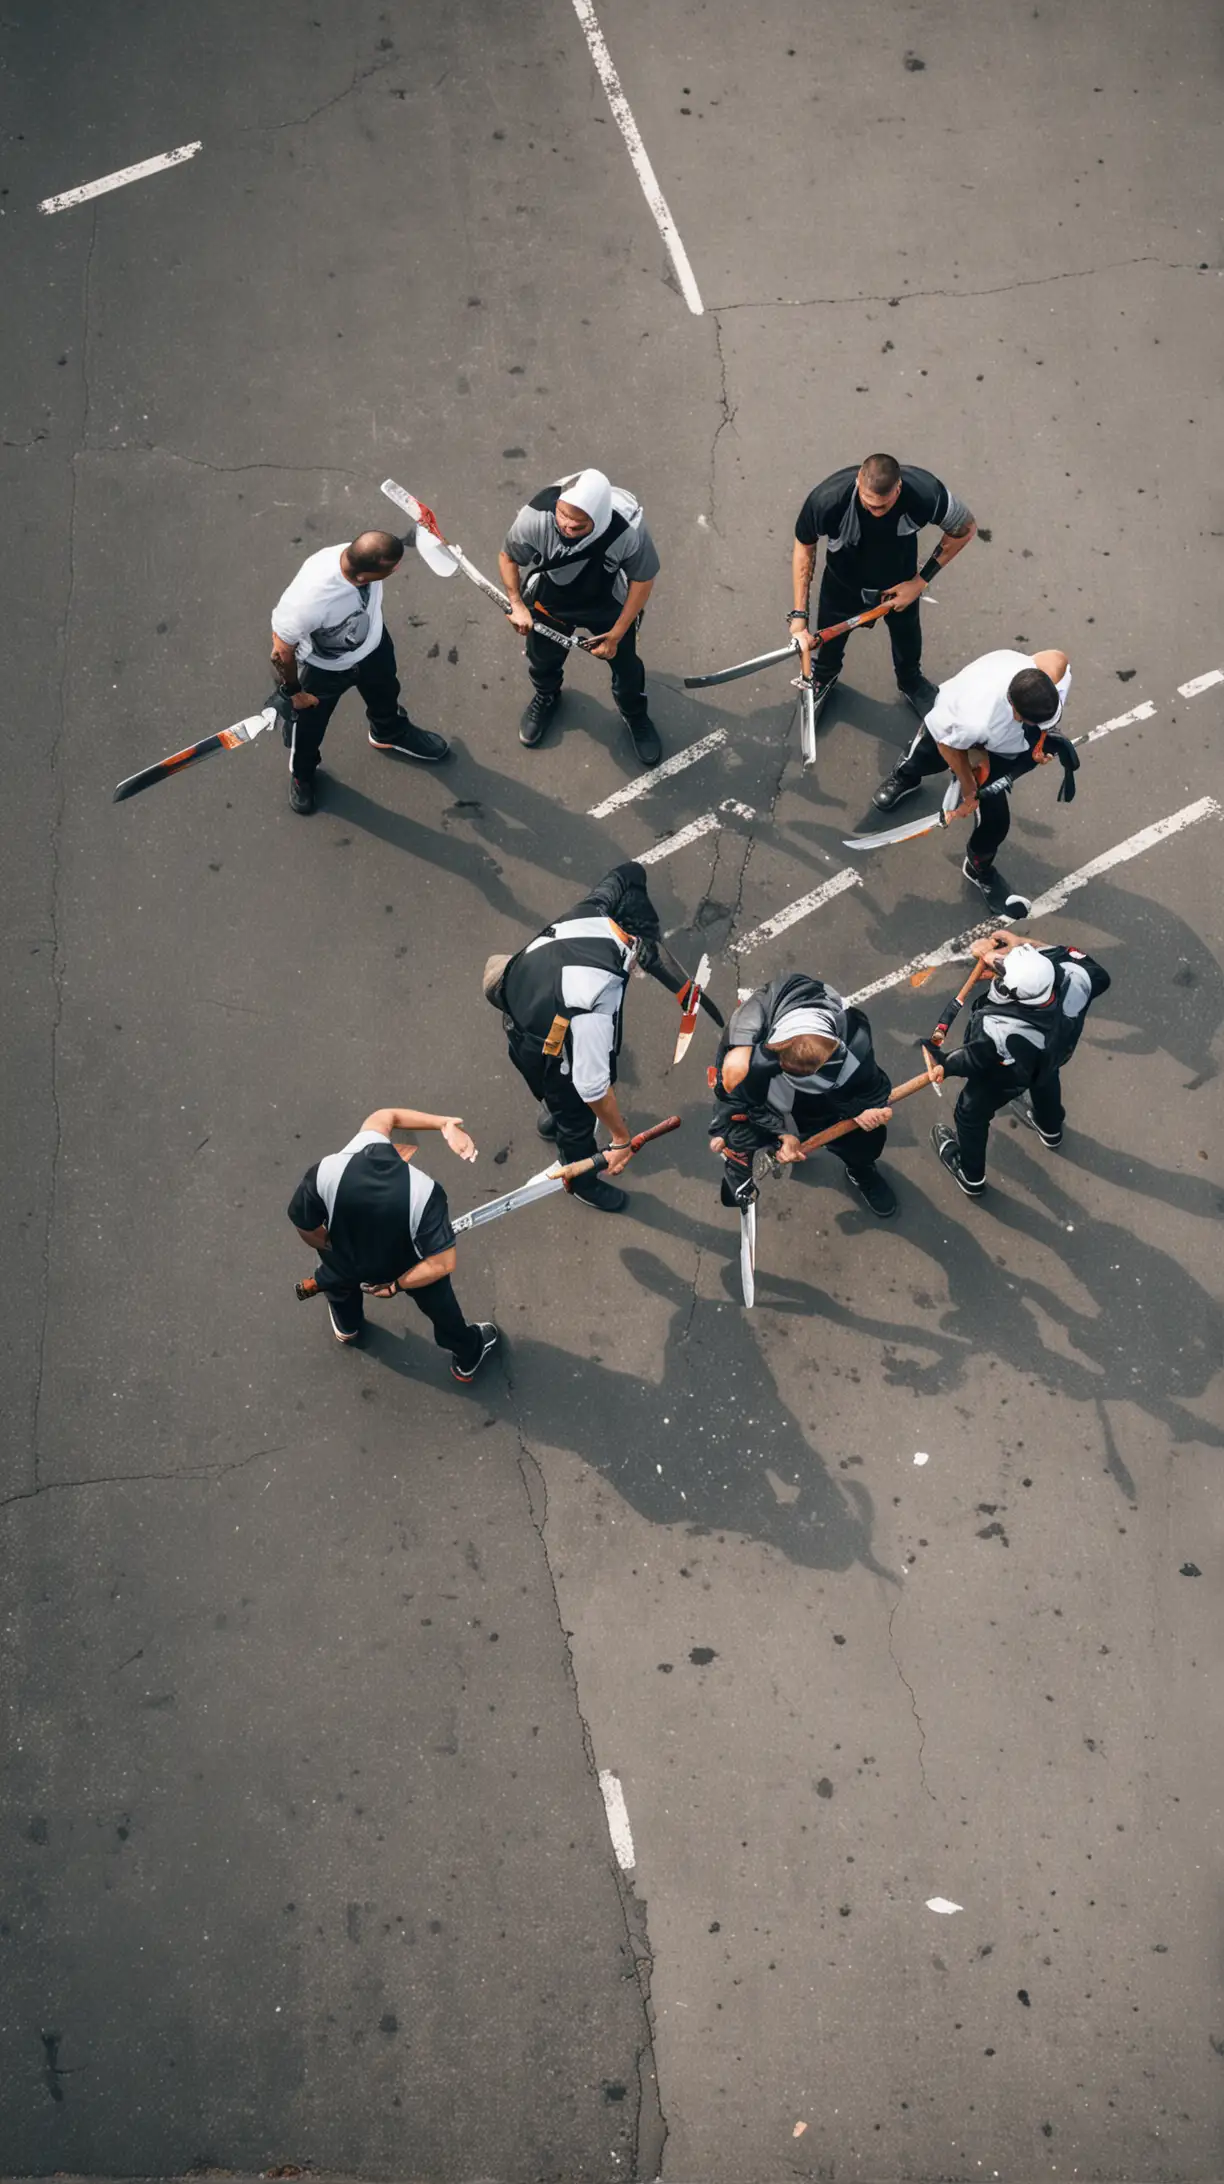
point(990, 724)
point(1022, 1029)
point(580, 554)
point(795, 1059)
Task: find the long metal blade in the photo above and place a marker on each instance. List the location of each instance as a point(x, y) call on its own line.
point(748, 1255)
point(807, 720)
point(889, 835)
point(226, 739)
point(543, 1185)
point(688, 1022)
point(743, 667)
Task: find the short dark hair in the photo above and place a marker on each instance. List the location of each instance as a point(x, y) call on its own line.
point(880, 473)
point(1032, 694)
point(373, 550)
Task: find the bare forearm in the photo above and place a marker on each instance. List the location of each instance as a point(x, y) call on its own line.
point(954, 542)
point(510, 576)
point(958, 761)
point(607, 1111)
point(635, 600)
point(803, 562)
point(429, 1271)
point(388, 1119)
point(284, 664)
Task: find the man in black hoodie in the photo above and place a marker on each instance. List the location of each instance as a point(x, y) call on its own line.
point(1021, 1030)
point(794, 1060)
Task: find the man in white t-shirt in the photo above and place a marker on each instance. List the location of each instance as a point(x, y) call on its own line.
point(327, 635)
point(989, 725)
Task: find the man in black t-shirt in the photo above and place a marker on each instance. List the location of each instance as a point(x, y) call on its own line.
point(871, 518)
point(380, 1225)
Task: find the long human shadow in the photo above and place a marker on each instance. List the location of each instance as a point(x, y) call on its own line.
point(1156, 1339)
point(430, 845)
point(694, 1450)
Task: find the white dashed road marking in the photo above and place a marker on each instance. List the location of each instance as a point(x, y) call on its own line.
point(1054, 897)
point(693, 832)
point(618, 1819)
point(120, 177)
point(1123, 720)
point(1200, 683)
point(638, 154)
point(646, 781)
point(840, 881)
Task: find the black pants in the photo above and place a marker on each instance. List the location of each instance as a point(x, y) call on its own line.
point(980, 1102)
point(993, 820)
point(378, 683)
point(546, 662)
point(544, 1074)
point(437, 1301)
point(857, 1150)
point(838, 601)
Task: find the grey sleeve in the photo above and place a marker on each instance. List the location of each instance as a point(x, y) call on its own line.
point(527, 537)
point(956, 517)
point(641, 562)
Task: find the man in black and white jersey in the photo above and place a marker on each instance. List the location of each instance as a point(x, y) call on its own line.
point(562, 999)
point(1022, 1031)
point(871, 518)
point(990, 725)
point(579, 553)
point(380, 1225)
point(327, 635)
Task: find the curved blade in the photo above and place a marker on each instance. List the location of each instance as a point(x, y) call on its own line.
point(742, 667)
point(688, 1022)
point(888, 835)
point(807, 720)
point(434, 553)
point(226, 739)
point(748, 1255)
point(542, 1185)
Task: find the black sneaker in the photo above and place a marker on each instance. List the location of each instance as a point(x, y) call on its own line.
point(410, 741)
point(921, 694)
point(873, 1190)
point(488, 1338)
point(537, 716)
point(990, 883)
point(944, 1141)
point(604, 1197)
point(645, 739)
point(1024, 1113)
point(346, 1326)
point(890, 792)
point(301, 796)
point(546, 1122)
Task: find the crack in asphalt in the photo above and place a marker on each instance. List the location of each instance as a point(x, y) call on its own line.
point(134, 1478)
point(913, 1701)
point(300, 121)
point(1002, 288)
point(202, 462)
point(726, 420)
point(535, 1488)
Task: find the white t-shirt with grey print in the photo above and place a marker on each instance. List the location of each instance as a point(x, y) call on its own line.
point(631, 558)
point(331, 623)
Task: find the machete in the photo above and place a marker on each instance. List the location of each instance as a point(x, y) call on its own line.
point(444, 559)
point(226, 739)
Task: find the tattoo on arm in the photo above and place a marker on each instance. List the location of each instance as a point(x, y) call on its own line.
point(962, 527)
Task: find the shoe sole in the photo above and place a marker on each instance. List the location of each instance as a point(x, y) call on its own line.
point(423, 758)
point(464, 1378)
point(967, 1190)
point(347, 1340)
point(1051, 1143)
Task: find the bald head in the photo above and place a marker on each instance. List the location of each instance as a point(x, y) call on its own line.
point(374, 553)
point(802, 1057)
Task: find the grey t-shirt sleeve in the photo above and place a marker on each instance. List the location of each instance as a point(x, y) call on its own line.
point(641, 561)
point(527, 538)
point(956, 516)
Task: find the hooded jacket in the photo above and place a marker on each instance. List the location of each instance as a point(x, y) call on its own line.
point(849, 1083)
point(1010, 1045)
point(565, 990)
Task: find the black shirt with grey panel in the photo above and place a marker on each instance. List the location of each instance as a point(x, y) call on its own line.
point(383, 1215)
point(866, 552)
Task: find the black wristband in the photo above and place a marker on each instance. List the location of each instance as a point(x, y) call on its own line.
point(930, 568)
point(797, 614)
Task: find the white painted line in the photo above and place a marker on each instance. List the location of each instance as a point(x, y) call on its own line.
point(618, 1819)
point(628, 127)
point(954, 951)
point(1123, 720)
point(840, 881)
point(1134, 846)
point(943, 1903)
point(742, 811)
point(1200, 683)
point(670, 766)
point(121, 176)
point(692, 833)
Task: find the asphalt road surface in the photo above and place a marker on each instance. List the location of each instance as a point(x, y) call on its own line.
point(314, 1662)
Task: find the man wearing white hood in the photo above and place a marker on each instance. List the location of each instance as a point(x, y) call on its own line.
point(579, 553)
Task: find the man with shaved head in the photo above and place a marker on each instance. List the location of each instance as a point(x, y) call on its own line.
point(870, 518)
point(327, 635)
point(794, 1060)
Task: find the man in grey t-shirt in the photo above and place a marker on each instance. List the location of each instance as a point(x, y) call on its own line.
point(579, 554)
